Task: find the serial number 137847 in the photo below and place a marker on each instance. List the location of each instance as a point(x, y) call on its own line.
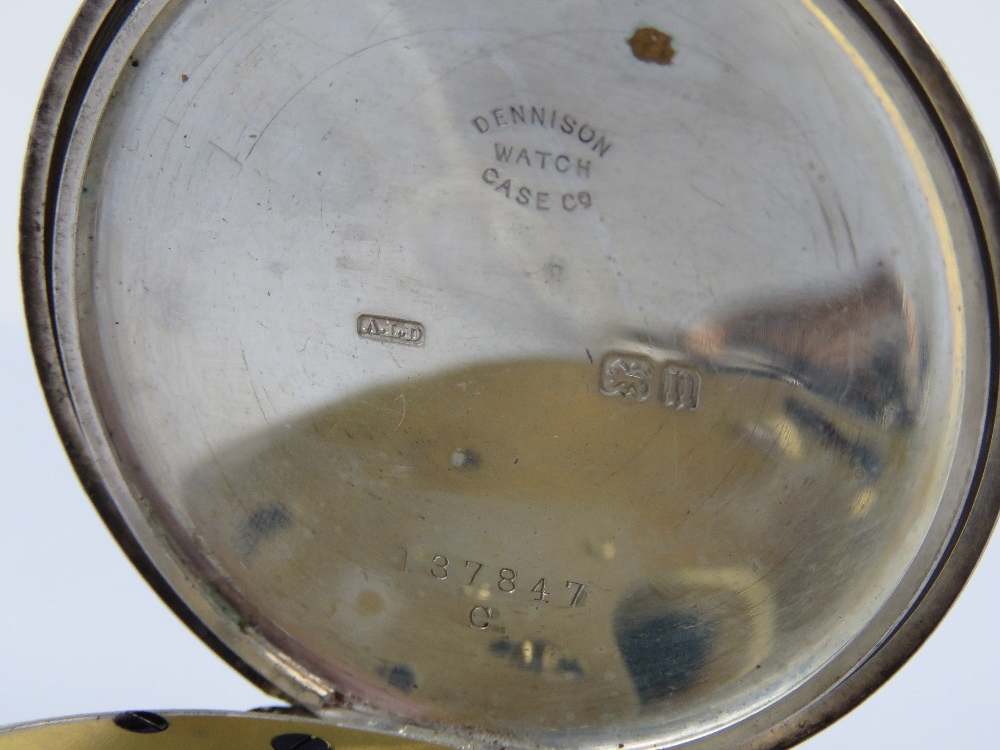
point(472, 573)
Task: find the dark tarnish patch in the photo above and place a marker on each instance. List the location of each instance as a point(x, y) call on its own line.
point(261, 524)
point(465, 460)
point(664, 649)
point(400, 677)
point(652, 45)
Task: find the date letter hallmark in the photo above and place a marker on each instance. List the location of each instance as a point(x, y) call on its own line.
point(680, 388)
point(391, 330)
point(627, 376)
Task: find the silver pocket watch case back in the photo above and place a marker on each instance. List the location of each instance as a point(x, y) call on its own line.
point(526, 375)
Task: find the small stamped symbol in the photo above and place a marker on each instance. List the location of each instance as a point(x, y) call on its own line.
point(391, 330)
point(680, 388)
point(626, 375)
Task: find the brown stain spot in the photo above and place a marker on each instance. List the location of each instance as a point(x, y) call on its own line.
point(652, 45)
point(369, 603)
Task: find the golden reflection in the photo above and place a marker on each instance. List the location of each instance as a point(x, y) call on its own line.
point(513, 533)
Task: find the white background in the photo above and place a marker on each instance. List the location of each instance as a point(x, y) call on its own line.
point(81, 632)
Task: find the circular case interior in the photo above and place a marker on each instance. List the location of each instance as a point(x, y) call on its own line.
point(549, 374)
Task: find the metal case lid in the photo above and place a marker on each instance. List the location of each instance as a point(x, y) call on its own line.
point(546, 375)
point(146, 730)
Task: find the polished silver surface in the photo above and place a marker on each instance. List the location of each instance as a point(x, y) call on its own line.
point(581, 376)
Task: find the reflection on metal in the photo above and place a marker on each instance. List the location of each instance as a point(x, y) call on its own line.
point(664, 649)
point(857, 345)
point(703, 627)
point(537, 656)
point(666, 616)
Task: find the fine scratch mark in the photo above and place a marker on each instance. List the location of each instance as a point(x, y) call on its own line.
point(850, 235)
point(257, 399)
point(485, 52)
point(708, 197)
point(213, 143)
point(375, 27)
point(732, 468)
point(829, 224)
point(303, 37)
point(402, 396)
point(326, 70)
point(243, 30)
point(313, 80)
point(223, 474)
point(253, 388)
point(633, 457)
point(677, 461)
point(268, 397)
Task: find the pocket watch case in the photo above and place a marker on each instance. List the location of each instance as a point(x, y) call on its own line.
point(536, 375)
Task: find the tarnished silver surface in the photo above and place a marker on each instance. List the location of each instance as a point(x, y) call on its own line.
point(567, 375)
